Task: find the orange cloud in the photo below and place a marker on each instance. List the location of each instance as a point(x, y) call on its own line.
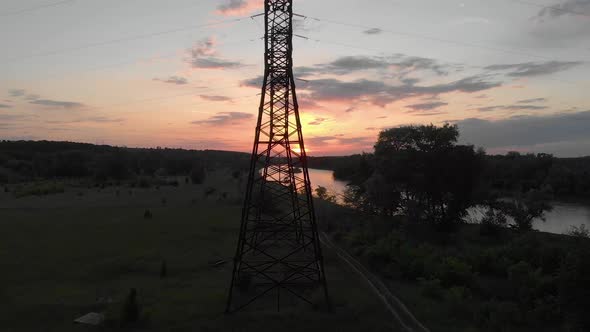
point(238, 7)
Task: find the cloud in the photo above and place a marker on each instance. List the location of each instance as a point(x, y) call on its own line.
point(238, 7)
point(532, 101)
point(512, 108)
point(381, 94)
point(568, 7)
point(528, 69)
point(57, 103)
point(401, 65)
point(5, 106)
point(215, 98)
point(32, 97)
point(225, 118)
point(427, 106)
point(426, 113)
point(91, 119)
point(339, 140)
point(318, 121)
point(373, 31)
point(17, 92)
point(215, 63)
point(305, 102)
point(12, 117)
point(173, 80)
point(255, 82)
point(488, 108)
point(529, 131)
point(203, 55)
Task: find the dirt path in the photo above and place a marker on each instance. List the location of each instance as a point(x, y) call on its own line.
point(400, 312)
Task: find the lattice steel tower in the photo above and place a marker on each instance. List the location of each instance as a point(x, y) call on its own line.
point(278, 258)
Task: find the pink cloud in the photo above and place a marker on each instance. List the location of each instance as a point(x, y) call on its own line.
point(238, 7)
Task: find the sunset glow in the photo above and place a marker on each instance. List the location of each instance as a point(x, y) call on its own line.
point(188, 75)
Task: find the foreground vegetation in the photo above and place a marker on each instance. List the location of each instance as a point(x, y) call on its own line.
point(469, 279)
point(101, 220)
point(497, 275)
point(81, 250)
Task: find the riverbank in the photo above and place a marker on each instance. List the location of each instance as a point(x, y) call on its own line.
point(469, 280)
point(565, 214)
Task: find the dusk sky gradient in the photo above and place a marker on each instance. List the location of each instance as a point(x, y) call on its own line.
point(514, 75)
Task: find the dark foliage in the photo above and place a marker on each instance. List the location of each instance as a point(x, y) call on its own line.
point(426, 171)
point(130, 314)
point(29, 160)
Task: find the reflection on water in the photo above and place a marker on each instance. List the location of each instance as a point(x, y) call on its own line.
point(563, 216)
point(325, 178)
point(559, 220)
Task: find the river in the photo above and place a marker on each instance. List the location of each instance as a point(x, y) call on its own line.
point(559, 220)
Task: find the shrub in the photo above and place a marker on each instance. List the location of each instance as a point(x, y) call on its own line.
point(40, 189)
point(130, 313)
point(458, 299)
point(525, 281)
point(143, 182)
point(385, 249)
point(579, 231)
point(499, 315)
point(198, 174)
point(574, 289)
point(454, 272)
point(492, 222)
point(431, 288)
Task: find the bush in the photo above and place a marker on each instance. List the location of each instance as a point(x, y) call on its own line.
point(431, 288)
point(579, 231)
point(574, 288)
point(454, 272)
point(458, 299)
point(198, 174)
point(492, 222)
point(40, 189)
point(385, 249)
point(499, 315)
point(525, 281)
point(143, 182)
point(491, 262)
point(130, 314)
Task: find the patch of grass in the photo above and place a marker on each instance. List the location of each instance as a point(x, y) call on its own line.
point(39, 189)
point(62, 259)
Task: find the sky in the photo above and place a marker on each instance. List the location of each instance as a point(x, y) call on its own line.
point(513, 75)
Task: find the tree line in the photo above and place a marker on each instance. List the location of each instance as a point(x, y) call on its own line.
point(22, 161)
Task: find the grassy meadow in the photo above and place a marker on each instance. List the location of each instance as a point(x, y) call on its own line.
point(68, 252)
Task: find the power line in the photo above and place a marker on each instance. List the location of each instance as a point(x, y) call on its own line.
point(441, 40)
point(125, 39)
point(30, 9)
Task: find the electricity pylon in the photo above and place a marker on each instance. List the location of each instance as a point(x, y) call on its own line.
point(278, 257)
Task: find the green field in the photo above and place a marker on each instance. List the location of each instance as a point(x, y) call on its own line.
point(60, 253)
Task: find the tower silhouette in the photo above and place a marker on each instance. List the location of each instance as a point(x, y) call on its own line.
point(278, 257)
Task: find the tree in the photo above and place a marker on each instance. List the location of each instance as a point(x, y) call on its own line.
point(323, 194)
point(525, 208)
point(429, 173)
